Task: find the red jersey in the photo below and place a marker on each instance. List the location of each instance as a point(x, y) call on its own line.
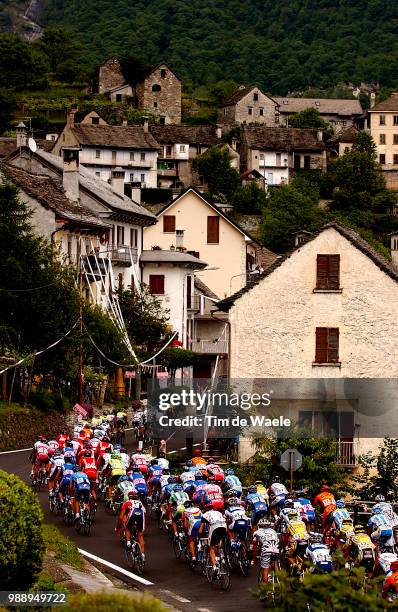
point(89, 467)
point(62, 438)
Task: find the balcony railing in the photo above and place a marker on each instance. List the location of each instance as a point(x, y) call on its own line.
point(347, 454)
point(121, 254)
point(219, 347)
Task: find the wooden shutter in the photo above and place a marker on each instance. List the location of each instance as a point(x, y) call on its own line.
point(333, 345)
point(321, 345)
point(169, 223)
point(213, 230)
point(334, 272)
point(156, 284)
point(328, 272)
point(189, 291)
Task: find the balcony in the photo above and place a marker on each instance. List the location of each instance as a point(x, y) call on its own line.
point(122, 254)
point(167, 171)
point(347, 454)
point(94, 267)
point(209, 347)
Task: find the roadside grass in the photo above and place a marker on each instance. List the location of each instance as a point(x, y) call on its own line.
point(65, 550)
point(6, 408)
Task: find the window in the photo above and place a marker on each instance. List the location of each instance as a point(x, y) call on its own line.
point(162, 120)
point(142, 156)
point(395, 140)
point(395, 120)
point(98, 174)
point(169, 224)
point(131, 155)
point(327, 345)
point(120, 234)
point(156, 284)
point(296, 161)
point(97, 153)
point(382, 119)
point(182, 148)
point(395, 159)
point(344, 123)
point(70, 247)
point(213, 230)
point(307, 162)
point(189, 291)
point(278, 159)
point(142, 178)
point(131, 177)
point(155, 105)
point(261, 112)
point(255, 97)
point(156, 88)
point(133, 237)
point(120, 280)
point(382, 158)
point(328, 272)
point(162, 73)
point(382, 139)
point(113, 156)
point(249, 110)
point(95, 120)
point(118, 97)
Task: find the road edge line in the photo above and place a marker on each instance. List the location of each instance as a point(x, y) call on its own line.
point(19, 450)
point(115, 567)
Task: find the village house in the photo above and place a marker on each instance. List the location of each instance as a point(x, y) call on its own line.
point(158, 91)
point(106, 147)
point(278, 153)
point(383, 118)
point(192, 223)
point(249, 105)
point(323, 311)
point(341, 114)
point(342, 141)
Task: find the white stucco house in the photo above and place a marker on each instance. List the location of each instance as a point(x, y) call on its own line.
point(324, 316)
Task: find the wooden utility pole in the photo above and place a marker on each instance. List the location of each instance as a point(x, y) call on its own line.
point(81, 333)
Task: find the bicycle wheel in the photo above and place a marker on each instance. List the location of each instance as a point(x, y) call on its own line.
point(139, 561)
point(129, 556)
point(243, 560)
point(224, 576)
point(52, 503)
point(177, 546)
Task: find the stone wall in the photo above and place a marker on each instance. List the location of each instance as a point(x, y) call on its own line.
point(110, 75)
point(168, 99)
point(20, 428)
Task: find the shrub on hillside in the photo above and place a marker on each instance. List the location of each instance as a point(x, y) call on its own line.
point(21, 536)
point(103, 602)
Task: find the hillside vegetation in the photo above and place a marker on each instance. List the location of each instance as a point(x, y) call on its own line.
point(283, 46)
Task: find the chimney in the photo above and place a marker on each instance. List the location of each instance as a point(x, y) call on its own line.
point(136, 193)
point(70, 175)
point(219, 131)
point(301, 237)
point(179, 238)
point(372, 99)
point(70, 116)
point(394, 248)
point(319, 135)
point(124, 122)
point(145, 123)
point(117, 180)
point(22, 135)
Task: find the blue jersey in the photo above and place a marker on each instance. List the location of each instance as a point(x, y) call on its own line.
point(233, 483)
point(67, 470)
point(155, 470)
point(307, 508)
point(80, 481)
point(256, 501)
point(379, 521)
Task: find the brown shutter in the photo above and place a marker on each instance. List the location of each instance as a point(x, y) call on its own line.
point(333, 345)
point(334, 272)
point(156, 284)
point(321, 345)
point(169, 223)
point(189, 290)
point(213, 230)
point(328, 272)
point(322, 268)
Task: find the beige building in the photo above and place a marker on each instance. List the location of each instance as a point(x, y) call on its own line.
point(277, 153)
point(327, 310)
point(249, 105)
point(341, 114)
point(384, 131)
point(193, 223)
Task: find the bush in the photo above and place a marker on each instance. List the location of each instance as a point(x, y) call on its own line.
point(21, 534)
point(65, 550)
point(103, 602)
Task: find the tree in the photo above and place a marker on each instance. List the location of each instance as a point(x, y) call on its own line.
point(215, 167)
point(21, 66)
point(7, 106)
point(21, 537)
point(379, 472)
point(63, 51)
point(311, 118)
point(250, 199)
point(288, 210)
point(133, 68)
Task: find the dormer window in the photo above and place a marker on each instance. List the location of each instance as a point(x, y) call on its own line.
point(255, 97)
point(163, 73)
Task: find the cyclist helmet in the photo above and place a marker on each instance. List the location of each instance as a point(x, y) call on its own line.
point(57, 452)
point(316, 538)
point(162, 455)
point(166, 472)
point(233, 501)
point(135, 469)
point(117, 447)
point(380, 498)
point(154, 462)
point(172, 480)
point(230, 493)
point(133, 494)
point(340, 503)
point(76, 468)
point(229, 472)
point(376, 509)
point(259, 483)
point(197, 453)
point(264, 523)
point(177, 486)
point(123, 450)
point(211, 477)
point(190, 463)
point(68, 444)
point(289, 503)
point(252, 489)
point(210, 460)
point(324, 488)
point(87, 453)
point(188, 503)
point(199, 476)
point(359, 529)
point(276, 479)
point(123, 478)
point(115, 454)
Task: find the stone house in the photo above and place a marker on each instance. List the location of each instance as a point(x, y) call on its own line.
point(106, 147)
point(325, 310)
point(342, 141)
point(383, 118)
point(277, 153)
point(341, 114)
point(249, 105)
point(158, 91)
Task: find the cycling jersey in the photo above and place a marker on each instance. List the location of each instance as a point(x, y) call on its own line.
point(237, 519)
point(234, 483)
point(116, 466)
point(177, 500)
point(212, 494)
point(139, 482)
point(278, 493)
point(193, 517)
point(61, 440)
point(126, 486)
point(89, 467)
point(326, 500)
point(385, 560)
point(57, 464)
point(155, 470)
point(187, 476)
point(391, 583)
point(140, 461)
point(125, 460)
point(41, 451)
point(164, 480)
point(340, 516)
point(216, 471)
point(319, 555)
point(256, 503)
point(306, 508)
point(268, 542)
point(164, 463)
point(135, 514)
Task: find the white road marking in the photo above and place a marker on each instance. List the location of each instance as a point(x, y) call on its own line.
point(203, 610)
point(116, 567)
point(174, 596)
point(20, 450)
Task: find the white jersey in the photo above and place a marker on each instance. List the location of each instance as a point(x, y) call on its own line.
point(58, 461)
point(139, 459)
point(215, 519)
point(41, 448)
point(235, 513)
point(318, 553)
point(187, 476)
point(267, 538)
point(125, 460)
point(53, 444)
point(106, 458)
point(278, 489)
point(164, 463)
point(164, 480)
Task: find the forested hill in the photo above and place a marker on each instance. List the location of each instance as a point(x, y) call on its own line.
point(285, 45)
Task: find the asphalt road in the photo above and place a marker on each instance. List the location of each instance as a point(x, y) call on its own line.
point(172, 579)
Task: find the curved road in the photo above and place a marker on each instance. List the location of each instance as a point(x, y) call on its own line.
point(172, 580)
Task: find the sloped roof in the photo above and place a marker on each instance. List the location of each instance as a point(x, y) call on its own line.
point(204, 289)
point(352, 236)
point(185, 134)
point(345, 135)
point(99, 188)
point(176, 257)
point(8, 145)
point(240, 93)
point(391, 104)
point(327, 106)
point(50, 194)
point(281, 138)
point(119, 136)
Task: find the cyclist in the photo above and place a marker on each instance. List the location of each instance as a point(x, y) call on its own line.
point(191, 518)
point(361, 548)
point(341, 516)
point(277, 495)
point(199, 486)
point(177, 500)
point(293, 529)
point(212, 495)
point(132, 518)
point(318, 554)
point(124, 456)
point(137, 478)
point(154, 473)
point(79, 489)
point(237, 520)
point(387, 509)
point(124, 485)
point(39, 456)
point(266, 543)
point(162, 461)
point(69, 452)
point(217, 531)
point(197, 458)
point(138, 459)
point(167, 490)
point(56, 463)
point(380, 527)
point(390, 585)
point(213, 469)
point(88, 465)
point(233, 483)
point(306, 508)
point(65, 478)
point(325, 503)
point(261, 488)
point(62, 438)
point(113, 471)
point(187, 478)
point(256, 504)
